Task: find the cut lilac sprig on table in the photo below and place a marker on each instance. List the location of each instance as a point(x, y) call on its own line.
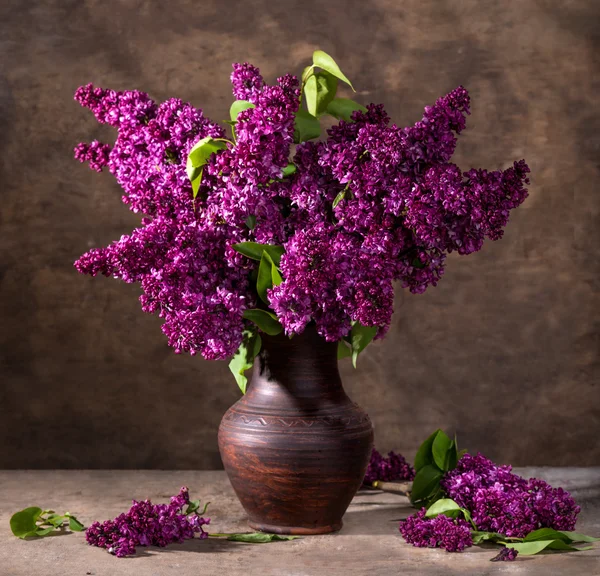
point(393, 468)
point(468, 500)
point(452, 534)
point(243, 235)
point(505, 555)
point(501, 501)
point(147, 524)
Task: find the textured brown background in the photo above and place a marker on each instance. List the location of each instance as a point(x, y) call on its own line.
point(504, 350)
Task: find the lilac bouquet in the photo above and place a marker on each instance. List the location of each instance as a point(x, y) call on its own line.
point(269, 230)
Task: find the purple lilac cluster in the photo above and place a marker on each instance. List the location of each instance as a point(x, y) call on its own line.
point(95, 154)
point(403, 207)
point(178, 254)
point(452, 534)
point(390, 469)
point(147, 524)
point(500, 501)
point(505, 555)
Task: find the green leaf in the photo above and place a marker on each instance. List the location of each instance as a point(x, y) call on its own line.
point(545, 534)
point(55, 519)
point(264, 281)
point(23, 523)
point(307, 72)
point(479, 537)
point(424, 455)
point(193, 172)
point(575, 537)
point(360, 338)
point(256, 537)
point(310, 95)
point(243, 359)
point(251, 221)
point(196, 183)
point(238, 106)
point(453, 455)
point(255, 251)
point(468, 517)
point(560, 545)
point(75, 525)
point(43, 531)
point(289, 170)
point(203, 149)
point(342, 108)
point(306, 127)
point(426, 482)
point(441, 450)
point(530, 548)
point(339, 197)
point(551, 534)
point(319, 91)
point(326, 62)
point(265, 320)
point(436, 494)
point(192, 507)
point(442, 507)
point(275, 275)
point(344, 350)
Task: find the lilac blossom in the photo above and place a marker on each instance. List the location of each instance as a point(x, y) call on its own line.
point(246, 81)
point(95, 154)
point(452, 534)
point(401, 207)
point(497, 501)
point(505, 555)
point(390, 469)
point(501, 501)
point(147, 524)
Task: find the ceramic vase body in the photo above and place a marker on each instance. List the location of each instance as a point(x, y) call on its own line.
point(295, 447)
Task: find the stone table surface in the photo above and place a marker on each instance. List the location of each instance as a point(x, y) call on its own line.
point(369, 542)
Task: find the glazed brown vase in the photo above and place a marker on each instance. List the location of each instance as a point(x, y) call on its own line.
point(295, 446)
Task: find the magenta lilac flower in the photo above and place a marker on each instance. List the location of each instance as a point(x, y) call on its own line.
point(390, 469)
point(95, 154)
point(147, 524)
point(370, 205)
point(452, 534)
point(505, 555)
point(501, 501)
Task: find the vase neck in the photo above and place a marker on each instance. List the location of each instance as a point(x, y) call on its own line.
point(298, 370)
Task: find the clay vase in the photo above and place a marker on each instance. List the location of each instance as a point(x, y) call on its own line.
point(295, 446)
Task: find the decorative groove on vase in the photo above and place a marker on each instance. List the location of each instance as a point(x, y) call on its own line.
point(356, 420)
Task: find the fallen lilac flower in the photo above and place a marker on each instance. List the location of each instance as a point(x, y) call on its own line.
point(501, 501)
point(506, 554)
point(147, 524)
point(391, 469)
point(452, 534)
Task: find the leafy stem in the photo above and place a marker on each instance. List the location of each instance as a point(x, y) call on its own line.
point(34, 521)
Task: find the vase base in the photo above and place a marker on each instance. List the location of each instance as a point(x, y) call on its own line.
point(294, 531)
